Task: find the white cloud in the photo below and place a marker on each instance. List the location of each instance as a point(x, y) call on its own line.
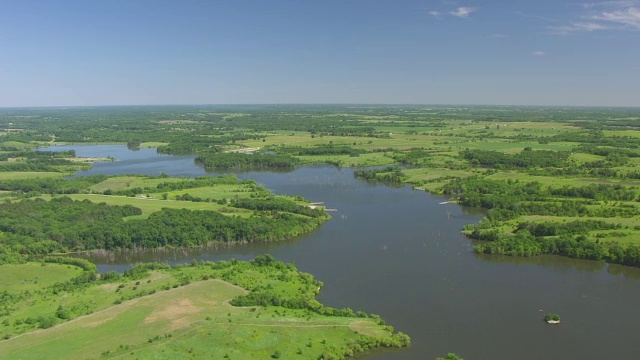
point(435, 13)
point(629, 17)
point(462, 12)
point(538, 53)
point(577, 27)
point(604, 15)
point(609, 4)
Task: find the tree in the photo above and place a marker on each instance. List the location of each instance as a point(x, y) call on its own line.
point(450, 356)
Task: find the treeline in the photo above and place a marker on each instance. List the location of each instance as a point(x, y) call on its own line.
point(526, 159)
point(510, 199)
point(32, 227)
point(36, 155)
point(388, 174)
point(198, 144)
point(596, 192)
point(199, 181)
point(523, 243)
point(37, 186)
point(185, 228)
point(411, 157)
point(549, 228)
point(594, 138)
point(234, 161)
point(484, 231)
point(322, 149)
point(277, 204)
point(38, 226)
point(598, 169)
point(191, 145)
point(57, 165)
point(606, 151)
point(46, 161)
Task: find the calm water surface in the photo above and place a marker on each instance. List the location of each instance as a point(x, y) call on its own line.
point(398, 253)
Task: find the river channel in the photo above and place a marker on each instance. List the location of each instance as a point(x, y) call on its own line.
point(397, 252)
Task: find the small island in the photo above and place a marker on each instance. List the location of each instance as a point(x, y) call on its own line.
point(552, 319)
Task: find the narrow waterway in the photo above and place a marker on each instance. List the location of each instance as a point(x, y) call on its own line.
point(397, 252)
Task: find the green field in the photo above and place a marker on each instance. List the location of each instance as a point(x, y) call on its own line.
point(151, 205)
point(34, 276)
point(164, 317)
point(17, 175)
point(123, 182)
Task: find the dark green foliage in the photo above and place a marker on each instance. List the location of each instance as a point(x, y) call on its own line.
point(388, 174)
point(595, 138)
point(185, 228)
point(51, 186)
point(524, 243)
point(510, 199)
point(321, 149)
point(110, 276)
point(277, 204)
point(577, 227)
point(34, 226)
point(140, 271)
point(63, 313)
point(596, 192)
point(523, 160)
point(38, 226)
point(412, 157)
point(200, 181)
point(85, 265)
point(450, 356)
point(552, 317)
point(233, 161)
point(21, 160)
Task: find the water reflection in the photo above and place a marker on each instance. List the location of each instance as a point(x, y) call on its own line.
point(552, 261)
point(626, 271)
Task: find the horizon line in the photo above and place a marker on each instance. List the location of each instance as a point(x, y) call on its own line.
point(318, 104)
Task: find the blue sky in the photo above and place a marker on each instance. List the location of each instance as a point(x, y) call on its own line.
point(97, 52)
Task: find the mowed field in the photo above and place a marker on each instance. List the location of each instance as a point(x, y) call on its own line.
point(194, 321)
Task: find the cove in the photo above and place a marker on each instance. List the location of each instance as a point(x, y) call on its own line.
point(396, 252)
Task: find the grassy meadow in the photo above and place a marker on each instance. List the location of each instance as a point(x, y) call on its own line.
point(168, 314)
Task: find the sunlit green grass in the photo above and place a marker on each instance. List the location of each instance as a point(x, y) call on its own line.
point(124, 182)
point(194, 320)
point(34, 276)
point(222, 191)
point(151, 205)
point(15, 144)
point(16, 175)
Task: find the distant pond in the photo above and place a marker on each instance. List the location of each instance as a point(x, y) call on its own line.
point(397, 252)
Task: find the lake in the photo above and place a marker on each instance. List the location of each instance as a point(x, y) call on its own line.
point(397, 252)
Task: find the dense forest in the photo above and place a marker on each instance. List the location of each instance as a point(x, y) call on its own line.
point(33, 227)
point(238, 162)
